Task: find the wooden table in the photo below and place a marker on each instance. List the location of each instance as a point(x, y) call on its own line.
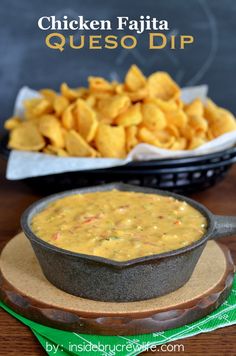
point(16, 339)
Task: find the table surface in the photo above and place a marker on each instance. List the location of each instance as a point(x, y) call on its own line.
point(16, 339)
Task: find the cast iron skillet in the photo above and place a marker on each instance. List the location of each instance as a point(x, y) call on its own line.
point(142, 278)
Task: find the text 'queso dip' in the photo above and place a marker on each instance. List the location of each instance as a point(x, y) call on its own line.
point(119, 225)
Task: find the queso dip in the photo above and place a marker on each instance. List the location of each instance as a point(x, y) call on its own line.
point(119, 225)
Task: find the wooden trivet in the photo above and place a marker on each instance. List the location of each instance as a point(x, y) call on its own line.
point(24, 288)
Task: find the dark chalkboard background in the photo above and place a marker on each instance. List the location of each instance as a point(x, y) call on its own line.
point(25, 60)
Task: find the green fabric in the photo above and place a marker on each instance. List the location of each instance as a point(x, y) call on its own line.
point(61, 343)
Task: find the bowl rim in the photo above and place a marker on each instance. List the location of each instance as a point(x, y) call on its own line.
point(40, 204)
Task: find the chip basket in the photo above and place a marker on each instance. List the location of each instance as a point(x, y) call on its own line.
point(182, 175)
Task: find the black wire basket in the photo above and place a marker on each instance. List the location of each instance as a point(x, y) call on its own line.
point(182, 175)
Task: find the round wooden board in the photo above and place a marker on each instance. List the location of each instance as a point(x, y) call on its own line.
point(24, 288)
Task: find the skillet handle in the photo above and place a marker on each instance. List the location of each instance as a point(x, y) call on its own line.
point(224, 226)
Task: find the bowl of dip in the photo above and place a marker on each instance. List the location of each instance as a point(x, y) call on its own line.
point(120, 242)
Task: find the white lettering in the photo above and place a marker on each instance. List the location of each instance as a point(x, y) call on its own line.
point(163, 25)
point(122, 21)
point(143, 23)
point(40, 23)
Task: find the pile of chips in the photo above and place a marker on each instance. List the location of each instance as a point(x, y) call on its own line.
point(108, 119)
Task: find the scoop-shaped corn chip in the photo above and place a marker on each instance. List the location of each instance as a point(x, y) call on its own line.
point(137, 95)
point(68, 118)
point(220, 120)
point(179, 144)
point(195, 108)
point(134, 79)
point(210, 110)
point(223, 122)
point(98, 84)
point(50, 127)
point(132, 116)
point(177, 118)
point(131, 139)
point(209, 135)
point(161, 85)
point(82, 92)
point(110, 141)
point(153, 117)
point(119, 88)
point(26, 137)
point(152, 138)
point(37, 107)
point(166, 137)
point(48, 94)
point(12, 123)
point(103, 119)
point(188, 131)
point(86, 120)
point(196, 142)
point(173, 130)
point(49, 149)
point(113, 106)
point(179, 103)
point(77, 146)
point(165, 145)
point(198, 123)
point(102, 95)
point(91, 100)
point(31, 103)
point(69, 93)
point(60, 103)
point(165, 106)
point(147, 136)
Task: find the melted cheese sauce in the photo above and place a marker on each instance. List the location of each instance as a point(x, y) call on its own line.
point(119, 225)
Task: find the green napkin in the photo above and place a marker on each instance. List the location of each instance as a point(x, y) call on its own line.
point(60, 343)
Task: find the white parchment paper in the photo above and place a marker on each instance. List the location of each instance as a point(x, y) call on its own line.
point(29, 164)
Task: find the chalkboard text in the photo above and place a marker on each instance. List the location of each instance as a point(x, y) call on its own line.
point(155, 41)
point(143, 23)
point(152, 31)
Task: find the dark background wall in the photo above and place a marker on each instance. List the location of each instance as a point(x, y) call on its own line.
point(25, 60)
